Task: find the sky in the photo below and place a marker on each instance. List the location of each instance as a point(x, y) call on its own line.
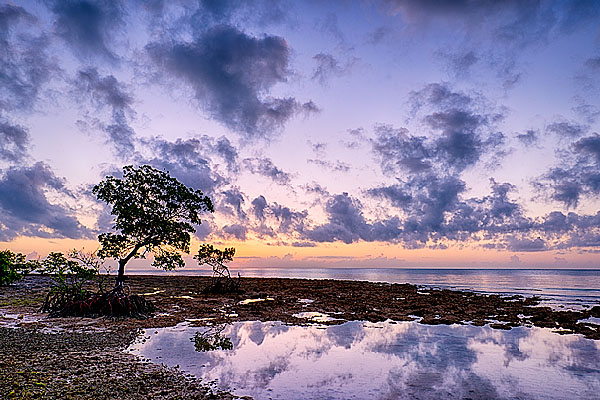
point(383, 133)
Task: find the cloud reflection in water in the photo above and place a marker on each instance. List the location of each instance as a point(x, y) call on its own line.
point(386, 361)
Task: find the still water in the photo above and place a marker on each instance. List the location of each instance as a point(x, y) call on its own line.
point(405, 360)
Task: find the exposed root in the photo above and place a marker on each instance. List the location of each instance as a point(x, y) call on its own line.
point(115, 303)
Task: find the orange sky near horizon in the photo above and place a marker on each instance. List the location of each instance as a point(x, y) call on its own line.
point(259, 254)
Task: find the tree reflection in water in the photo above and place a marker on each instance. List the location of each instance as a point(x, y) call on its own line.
point(211, 339)
point(385, 361)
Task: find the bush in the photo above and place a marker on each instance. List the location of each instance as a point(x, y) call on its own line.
point(69, 297)
point(69, 277)
point(222, 282)
point(13, 266)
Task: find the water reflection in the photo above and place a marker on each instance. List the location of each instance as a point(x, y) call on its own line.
point(385, 361)
point(211, 339)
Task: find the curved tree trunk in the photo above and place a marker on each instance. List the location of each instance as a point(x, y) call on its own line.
point(122, 262)
point(121, 273)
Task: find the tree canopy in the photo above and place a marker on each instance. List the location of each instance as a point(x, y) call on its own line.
point(154, 213)
point(13, 266)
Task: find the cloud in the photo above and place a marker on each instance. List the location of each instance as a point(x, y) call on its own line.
point(231, 74)
point(567, 129)
point(223, 147)
point(238, 231)
point(433, 197)
point(397, 195)
point(577, 174)
point(201, 147)
point(529, 138)
point(526, 245)
point(25, 65)
point(289, 220)
point(593, 63)
point(460, 64)
point(265, 167)
point(303, 244)
point(589, 146)
point(275, 218)
point(337, 166)
point(259, 205)
point(235, 200)
point(428, 209)
point(26, 210)
point(108, 92)
point(318, 148)
point(14, 140)
point(346, 223)
point(88, 26)
point(439, 95)
point(432, 211)
point(327, 67)
point(458, 130)
point(378, 35)
point(188, 160)
point(588, 112)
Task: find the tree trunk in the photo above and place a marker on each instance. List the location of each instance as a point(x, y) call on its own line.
point(122, 262)
point(121, 273)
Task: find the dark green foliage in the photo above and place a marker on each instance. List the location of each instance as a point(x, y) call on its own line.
point(211, 339)
point(154, 213)
point(13, 266)
point(69, 297)
point(222, 281)
point(208, 254)
point(69, 277)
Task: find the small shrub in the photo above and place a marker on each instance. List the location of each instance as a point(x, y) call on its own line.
point(222, 282)
point(13, 266)
point(69, 277)
point(69, 297)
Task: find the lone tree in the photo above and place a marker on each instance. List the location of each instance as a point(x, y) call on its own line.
point(154, 213)
point(221, 280)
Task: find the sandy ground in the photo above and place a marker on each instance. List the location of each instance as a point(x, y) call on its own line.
point(43, 357)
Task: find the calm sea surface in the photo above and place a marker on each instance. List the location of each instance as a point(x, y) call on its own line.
point(569, 288)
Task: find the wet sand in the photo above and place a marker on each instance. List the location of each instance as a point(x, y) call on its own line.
point(44, 357)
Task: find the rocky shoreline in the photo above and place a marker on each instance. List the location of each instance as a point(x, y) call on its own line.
point(43, 357)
